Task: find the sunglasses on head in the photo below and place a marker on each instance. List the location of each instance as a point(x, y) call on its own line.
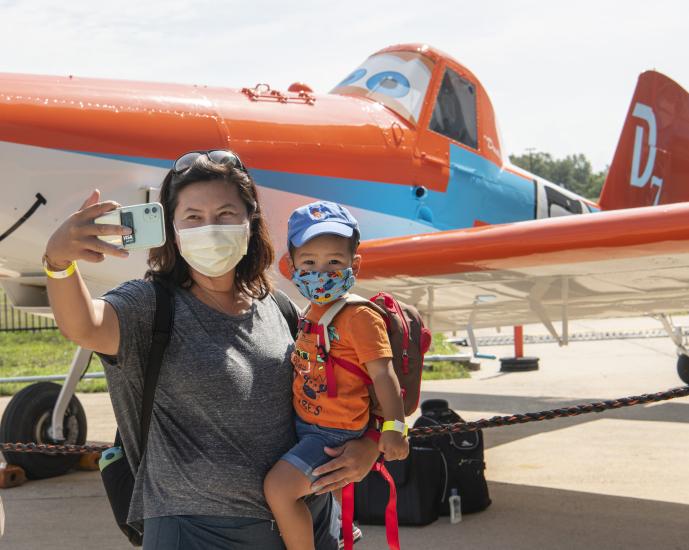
point(219, 156)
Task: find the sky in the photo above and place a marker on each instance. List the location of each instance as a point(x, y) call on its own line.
point(560, 74)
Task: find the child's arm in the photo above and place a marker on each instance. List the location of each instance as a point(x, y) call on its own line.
point(393, 444)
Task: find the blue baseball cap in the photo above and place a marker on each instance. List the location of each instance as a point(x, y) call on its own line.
point(320, 218)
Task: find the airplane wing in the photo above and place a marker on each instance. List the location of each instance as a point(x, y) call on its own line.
point(609, 264)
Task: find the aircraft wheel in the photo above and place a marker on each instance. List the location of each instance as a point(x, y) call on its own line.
point(683, 368)
point(28, 417)
point(518, 364)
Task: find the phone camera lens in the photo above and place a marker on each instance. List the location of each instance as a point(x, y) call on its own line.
point(154, 209)
point(146, 211)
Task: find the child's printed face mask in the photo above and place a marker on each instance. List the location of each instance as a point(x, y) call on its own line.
point(323, 287)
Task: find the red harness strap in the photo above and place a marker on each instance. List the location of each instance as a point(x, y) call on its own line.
point(391, 526)
point(331, 361)
point(392, 532)
point(348, 516)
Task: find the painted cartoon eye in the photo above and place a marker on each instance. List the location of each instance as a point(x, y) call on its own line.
point(390, 83)
point(356, 75)
point(322, 388)
point(309, 392)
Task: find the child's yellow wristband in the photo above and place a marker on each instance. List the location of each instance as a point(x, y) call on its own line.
point(395, 426)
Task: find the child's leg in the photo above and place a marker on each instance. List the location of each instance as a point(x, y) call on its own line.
point(284, 487)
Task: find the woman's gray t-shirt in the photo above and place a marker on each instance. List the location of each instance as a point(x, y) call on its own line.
point(222, 414)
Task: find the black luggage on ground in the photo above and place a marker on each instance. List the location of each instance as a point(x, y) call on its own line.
point(426, 479)
point(462, 456)
point(419, 483)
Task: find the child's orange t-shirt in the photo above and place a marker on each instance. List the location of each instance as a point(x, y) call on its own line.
point(358, 335)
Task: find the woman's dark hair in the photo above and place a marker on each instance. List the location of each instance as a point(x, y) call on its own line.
point(166, 263)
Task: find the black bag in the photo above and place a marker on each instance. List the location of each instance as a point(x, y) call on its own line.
point(462, 458)
point(418, 480)
point(117, 475)
point(426, 478)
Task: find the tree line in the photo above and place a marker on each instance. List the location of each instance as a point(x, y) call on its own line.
point(574, 172)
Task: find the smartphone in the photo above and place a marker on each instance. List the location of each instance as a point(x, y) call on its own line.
point(146, 222)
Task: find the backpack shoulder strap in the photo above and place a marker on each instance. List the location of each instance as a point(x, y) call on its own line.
point(289, 311)
point(328, 317)
point(162, 327)
point(349, 299)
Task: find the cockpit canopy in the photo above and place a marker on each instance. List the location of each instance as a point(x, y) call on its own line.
point(399, 80)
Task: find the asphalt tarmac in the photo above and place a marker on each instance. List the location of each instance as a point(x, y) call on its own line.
point(617, 479)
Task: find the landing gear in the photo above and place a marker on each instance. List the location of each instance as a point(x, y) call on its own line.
point(28, 417)
point(675, 334)
point(683, 368)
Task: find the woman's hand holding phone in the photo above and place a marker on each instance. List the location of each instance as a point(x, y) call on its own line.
point(77, 237)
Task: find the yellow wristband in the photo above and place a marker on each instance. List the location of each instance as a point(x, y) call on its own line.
point(60, 274)
point(395, 426)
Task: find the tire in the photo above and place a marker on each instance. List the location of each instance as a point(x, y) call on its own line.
point(518, 364)
point(683, 368)
point(27, 419)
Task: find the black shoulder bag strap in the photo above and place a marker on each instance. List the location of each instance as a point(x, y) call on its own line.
point(288, 310)
point(162, 328)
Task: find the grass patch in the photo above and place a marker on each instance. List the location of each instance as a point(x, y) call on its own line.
point(41, 353)
point(444, 370)
point(48, 352)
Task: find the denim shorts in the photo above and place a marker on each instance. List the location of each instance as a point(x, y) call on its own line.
point(308, 453)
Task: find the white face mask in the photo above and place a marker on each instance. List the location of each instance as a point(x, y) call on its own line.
point(213, 250)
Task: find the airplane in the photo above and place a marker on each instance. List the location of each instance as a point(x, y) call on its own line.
point(409, 142)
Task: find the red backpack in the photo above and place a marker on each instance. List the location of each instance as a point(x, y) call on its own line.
point(409, 339)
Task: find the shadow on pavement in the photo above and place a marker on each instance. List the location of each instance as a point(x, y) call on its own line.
point(528, 518)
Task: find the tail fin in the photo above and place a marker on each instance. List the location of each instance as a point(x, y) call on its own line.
point(651, 163)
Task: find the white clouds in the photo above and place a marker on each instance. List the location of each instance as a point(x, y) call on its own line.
point(560, 75)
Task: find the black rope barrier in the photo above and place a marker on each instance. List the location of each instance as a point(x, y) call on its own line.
point(421, 432)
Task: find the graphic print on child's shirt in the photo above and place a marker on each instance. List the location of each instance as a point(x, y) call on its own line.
point(358, 335)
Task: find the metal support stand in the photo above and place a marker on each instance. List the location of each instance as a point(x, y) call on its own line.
point(519, 341)
point(675, 334)
point(472, 336)
point(80, 363)
point(518, 363)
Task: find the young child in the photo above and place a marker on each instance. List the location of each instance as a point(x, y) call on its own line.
point(323, 239)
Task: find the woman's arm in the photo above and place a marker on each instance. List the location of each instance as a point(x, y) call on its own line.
point(89, 323)
point(351, 463)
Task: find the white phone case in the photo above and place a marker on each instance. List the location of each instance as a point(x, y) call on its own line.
point(146, 221)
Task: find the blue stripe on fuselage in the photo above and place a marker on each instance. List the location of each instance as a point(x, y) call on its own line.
point(480, 190)
point(477, 190)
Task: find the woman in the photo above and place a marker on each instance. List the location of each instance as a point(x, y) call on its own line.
point(222, 414)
